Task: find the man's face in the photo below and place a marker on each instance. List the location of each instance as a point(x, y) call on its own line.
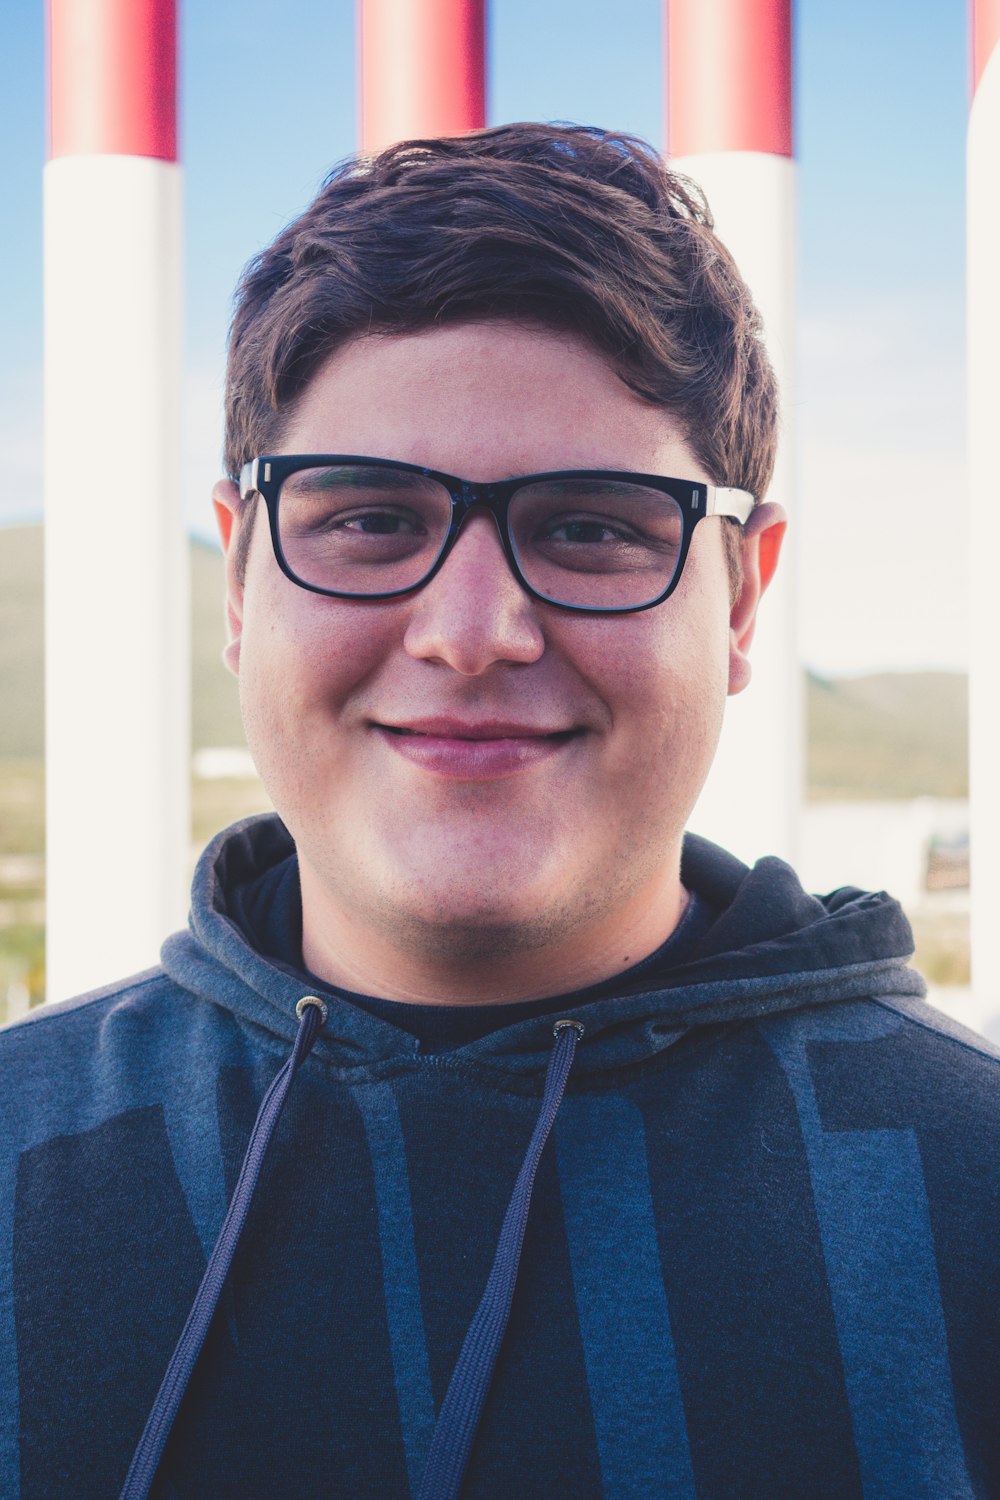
point(610, 722)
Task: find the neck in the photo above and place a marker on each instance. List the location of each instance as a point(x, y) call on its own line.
point(478, 964)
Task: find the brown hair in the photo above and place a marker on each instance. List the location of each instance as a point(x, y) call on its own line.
point(566, 226)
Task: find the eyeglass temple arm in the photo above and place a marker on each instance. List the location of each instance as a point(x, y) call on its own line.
point(248, 478)
point(724, 501)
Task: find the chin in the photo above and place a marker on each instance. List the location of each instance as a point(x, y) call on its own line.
point(481, 900)
point(476, 936)
point(478, 909)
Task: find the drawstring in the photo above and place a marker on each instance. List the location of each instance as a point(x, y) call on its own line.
point(465, 1397)
point(312, 1013)
point(462, 1407)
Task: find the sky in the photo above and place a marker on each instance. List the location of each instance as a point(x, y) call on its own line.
point(268, 103)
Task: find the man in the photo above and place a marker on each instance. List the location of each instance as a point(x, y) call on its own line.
point(563, 1154)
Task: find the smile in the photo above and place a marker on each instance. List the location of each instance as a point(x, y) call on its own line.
point(474, 752)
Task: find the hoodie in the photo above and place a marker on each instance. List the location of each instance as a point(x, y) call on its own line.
point(729, 1233)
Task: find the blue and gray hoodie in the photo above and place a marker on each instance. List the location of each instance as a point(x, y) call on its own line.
point(731, 1234)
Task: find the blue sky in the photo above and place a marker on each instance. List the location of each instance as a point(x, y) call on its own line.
point(268, 103)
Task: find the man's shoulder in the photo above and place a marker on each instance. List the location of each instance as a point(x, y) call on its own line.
point(66, 1059)
point(891, 1062)
point(60, 1023)
point(921, 1029)
point(966, 1047)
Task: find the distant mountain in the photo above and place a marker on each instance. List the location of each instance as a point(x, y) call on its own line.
point(899, 734)
point(891, 734)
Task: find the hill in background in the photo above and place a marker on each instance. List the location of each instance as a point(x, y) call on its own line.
point(892, 734)
point(882, 736)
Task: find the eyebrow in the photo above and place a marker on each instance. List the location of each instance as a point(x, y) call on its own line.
point(358, 476)
point(594, 486)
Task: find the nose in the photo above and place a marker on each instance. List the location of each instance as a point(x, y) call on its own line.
point(474, 613)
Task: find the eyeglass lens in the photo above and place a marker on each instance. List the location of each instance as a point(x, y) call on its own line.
point(596, 543)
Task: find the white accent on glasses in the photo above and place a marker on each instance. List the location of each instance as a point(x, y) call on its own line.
point(724, 501)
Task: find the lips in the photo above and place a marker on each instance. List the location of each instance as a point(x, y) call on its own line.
point(489, 729)
point(469, 751)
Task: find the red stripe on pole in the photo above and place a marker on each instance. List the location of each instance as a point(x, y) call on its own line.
point(113, 78)
point(729, 76)
point(423, 69)
point(985, 35)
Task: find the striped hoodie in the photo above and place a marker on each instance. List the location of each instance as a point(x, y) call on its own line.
point(759, 1251)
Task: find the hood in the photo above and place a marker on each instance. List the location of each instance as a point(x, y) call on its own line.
point(772, 948)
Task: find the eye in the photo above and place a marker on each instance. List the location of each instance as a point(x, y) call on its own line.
point(379, 522)
point(592, 530)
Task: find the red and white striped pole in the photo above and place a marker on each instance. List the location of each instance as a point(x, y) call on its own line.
point(423, 69)
point(116, 619)
point(983, 357)
point(729, 126)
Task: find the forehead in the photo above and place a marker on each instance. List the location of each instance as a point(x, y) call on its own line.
point(484, 400)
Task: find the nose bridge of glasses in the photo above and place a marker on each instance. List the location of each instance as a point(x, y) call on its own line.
point(470, 499)
point(491, 499)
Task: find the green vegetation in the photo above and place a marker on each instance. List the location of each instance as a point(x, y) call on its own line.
point(22, 879)
point(889, 735)
point(892, 735)
point(22, 636)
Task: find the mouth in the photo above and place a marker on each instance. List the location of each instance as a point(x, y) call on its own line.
point(475, 751)
point(446, 729)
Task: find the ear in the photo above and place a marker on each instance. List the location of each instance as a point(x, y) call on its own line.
point(763, 535)
point(230, 515)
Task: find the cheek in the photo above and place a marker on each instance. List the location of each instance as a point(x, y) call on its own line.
point(658, 663)
point(302, 657)
point(663, 676)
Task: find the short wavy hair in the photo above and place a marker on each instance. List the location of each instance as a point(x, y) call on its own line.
point(569, 227)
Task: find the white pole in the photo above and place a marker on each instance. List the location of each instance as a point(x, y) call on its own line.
point(729, 128)
point(116, 617)
point(752, 800)
point(983, 354)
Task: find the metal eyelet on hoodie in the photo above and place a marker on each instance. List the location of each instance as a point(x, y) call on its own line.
point(320, 1005)
point(577, 1026)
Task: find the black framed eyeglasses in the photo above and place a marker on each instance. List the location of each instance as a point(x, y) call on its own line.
point(594, 540)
